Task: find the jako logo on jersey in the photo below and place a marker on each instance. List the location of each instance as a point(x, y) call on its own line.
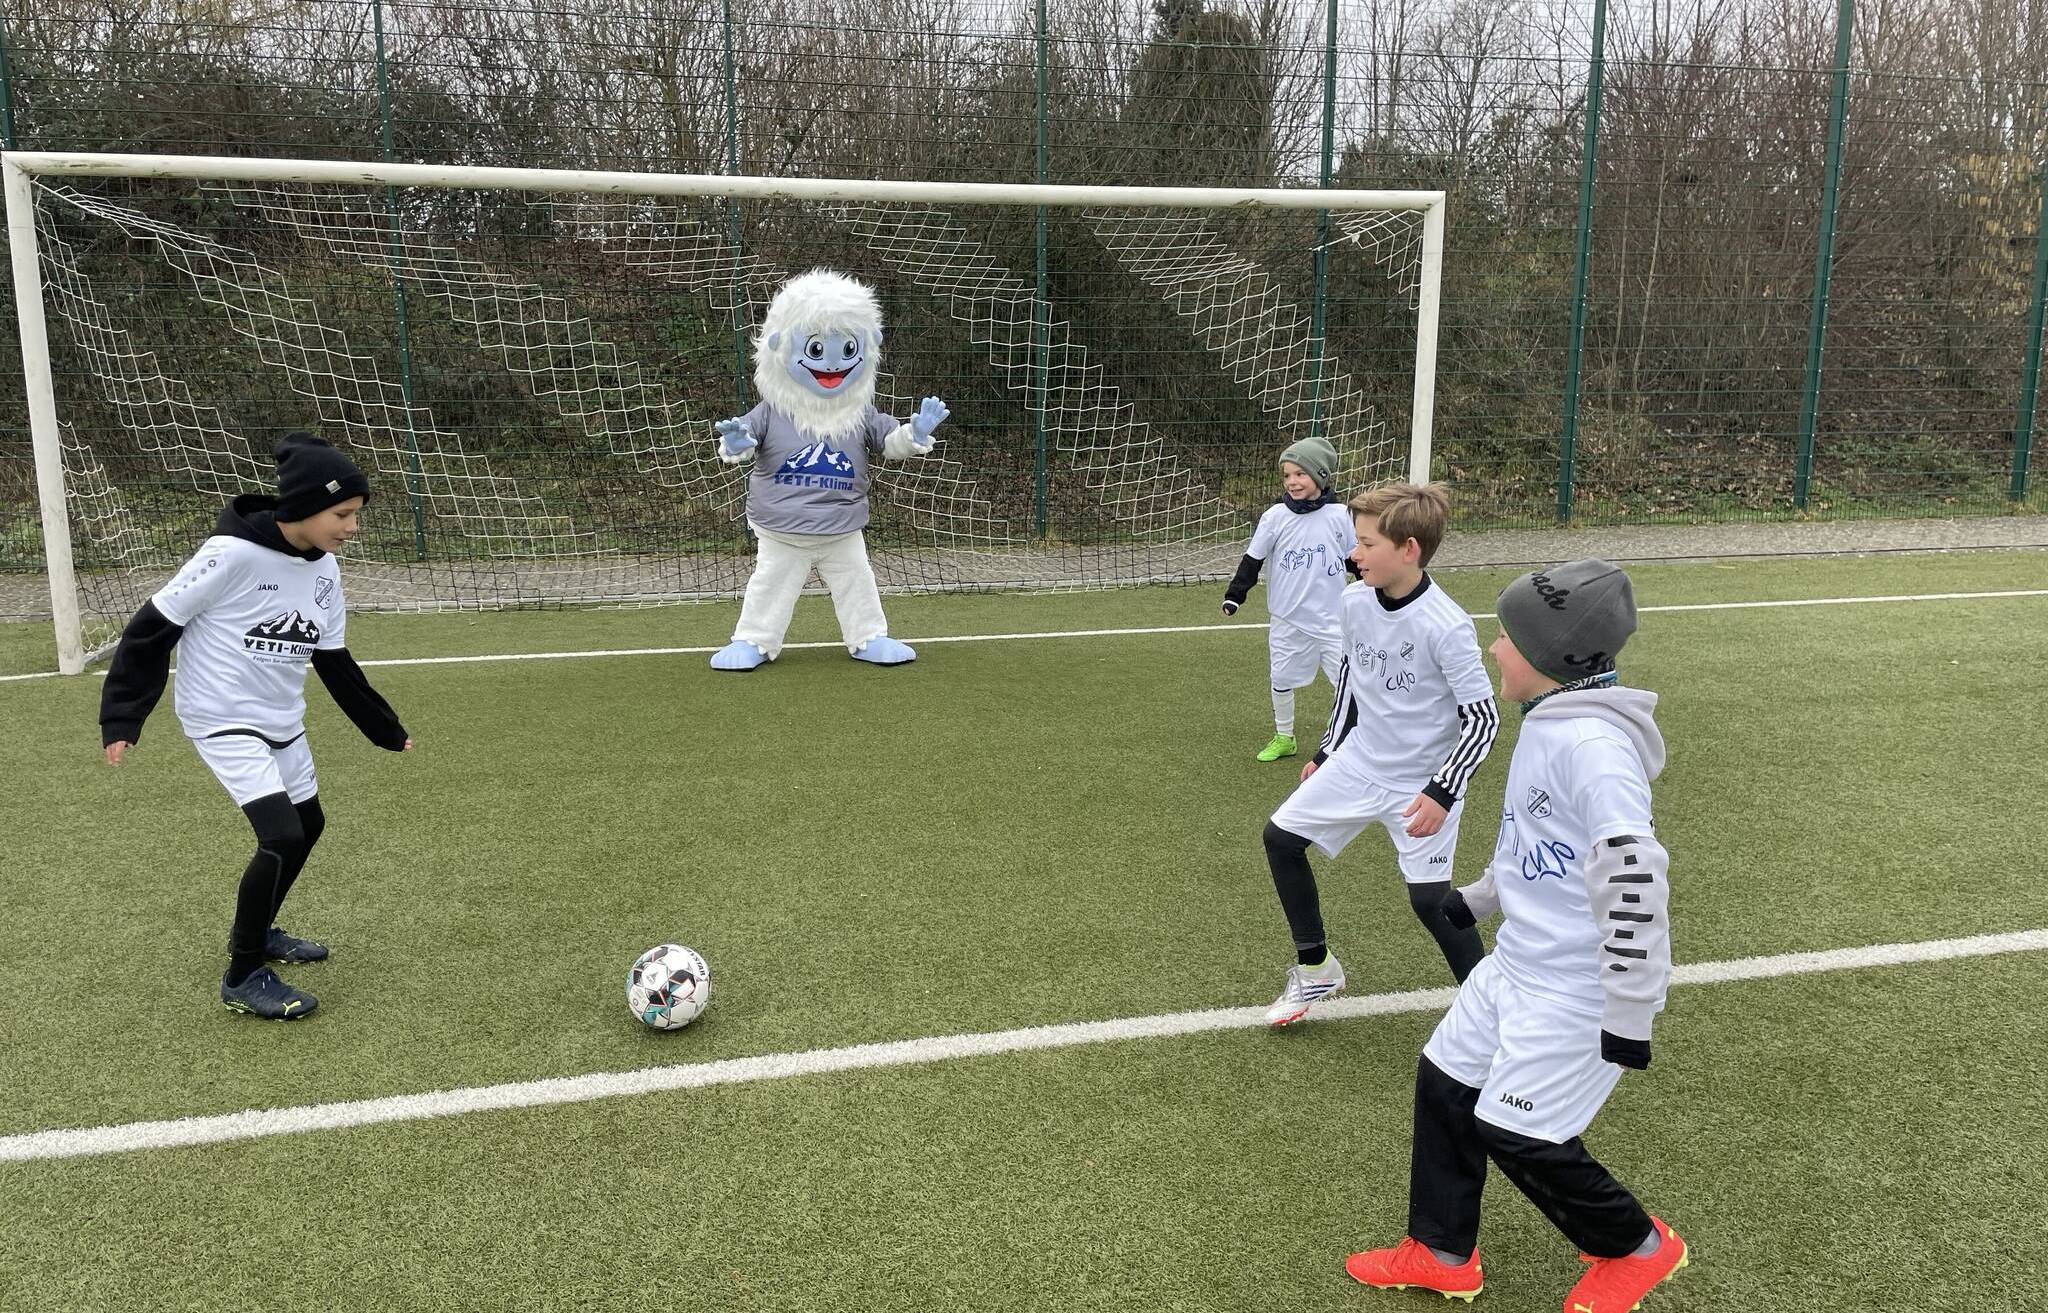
point(820, 465)
point(1517, 1101)
point(1539, 803)
point(286, 637)
point(266, 588)
point(323, 592)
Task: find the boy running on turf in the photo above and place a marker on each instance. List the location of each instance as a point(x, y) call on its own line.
point(1307, 535)
point(1414, 720)
point(1541, 1031)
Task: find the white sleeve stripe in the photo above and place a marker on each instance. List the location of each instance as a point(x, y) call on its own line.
point(1342, 713)
point(1479, 723)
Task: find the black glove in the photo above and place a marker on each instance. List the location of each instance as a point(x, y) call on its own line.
point(1457, 913)
point(1624, 1052)
point(1229, 607)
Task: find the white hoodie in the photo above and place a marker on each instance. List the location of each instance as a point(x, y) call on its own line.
point(1578, 872)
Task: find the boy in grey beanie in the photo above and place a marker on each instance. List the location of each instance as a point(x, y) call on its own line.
point(1543, 1027)
point(1308, 536)
point(1570, 620)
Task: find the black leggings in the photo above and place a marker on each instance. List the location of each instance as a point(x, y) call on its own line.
point(285, 835)
point(1295, 882)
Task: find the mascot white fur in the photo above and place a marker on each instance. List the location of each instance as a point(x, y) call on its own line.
point(810, 440)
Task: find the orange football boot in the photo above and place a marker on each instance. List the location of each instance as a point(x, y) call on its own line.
point(1617, 1285)
point(1411, 1264)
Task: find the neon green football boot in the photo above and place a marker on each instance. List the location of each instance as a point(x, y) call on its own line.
point(1281, 746)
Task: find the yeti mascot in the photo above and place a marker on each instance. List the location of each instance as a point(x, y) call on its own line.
point(810, 440)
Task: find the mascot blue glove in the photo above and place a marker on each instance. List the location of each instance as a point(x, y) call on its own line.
point(925, 422)
point(736, 443)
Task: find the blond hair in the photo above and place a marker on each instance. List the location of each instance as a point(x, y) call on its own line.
point(1421, 511)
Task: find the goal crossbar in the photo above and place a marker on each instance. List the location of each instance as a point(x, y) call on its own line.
point(602, 182)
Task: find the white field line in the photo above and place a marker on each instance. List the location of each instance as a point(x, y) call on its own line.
point(1249, 626)
point(263, 1123)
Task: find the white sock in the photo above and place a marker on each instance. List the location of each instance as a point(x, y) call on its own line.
point(1283, 711)
point(1651, 1244)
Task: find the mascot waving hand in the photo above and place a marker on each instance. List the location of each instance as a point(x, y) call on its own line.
point(810, 441)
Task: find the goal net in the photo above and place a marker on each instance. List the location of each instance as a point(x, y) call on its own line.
point(528, 364)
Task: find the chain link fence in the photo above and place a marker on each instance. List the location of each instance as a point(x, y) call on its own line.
point(1790, 264)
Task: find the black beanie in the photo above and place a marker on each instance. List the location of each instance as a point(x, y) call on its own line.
point(312, 476)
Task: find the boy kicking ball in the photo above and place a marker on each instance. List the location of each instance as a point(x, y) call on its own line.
point(1542, 1028)
point(260, 599)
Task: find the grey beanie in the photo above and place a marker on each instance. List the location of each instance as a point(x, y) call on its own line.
point(1569, 621)
point(1317, 458)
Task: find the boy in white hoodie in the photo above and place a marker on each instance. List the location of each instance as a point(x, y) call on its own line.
point(1542, 1028)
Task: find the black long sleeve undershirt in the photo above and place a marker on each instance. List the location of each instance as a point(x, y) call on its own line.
point(351, 691)
point(1241, 582)
point(136, 679)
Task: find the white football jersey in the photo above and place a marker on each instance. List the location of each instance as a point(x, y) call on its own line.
point(1576, 780)
point(1408, 667)
point(252, 618)
point(1304, 556)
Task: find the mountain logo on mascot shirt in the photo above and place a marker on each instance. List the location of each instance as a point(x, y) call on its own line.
point(820, 465)
point(286, 637)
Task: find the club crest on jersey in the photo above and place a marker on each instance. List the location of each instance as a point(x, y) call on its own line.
point(285, 638)
point(1407, 651)
point(820, 465)
point(323, 592)
point(1539, 803)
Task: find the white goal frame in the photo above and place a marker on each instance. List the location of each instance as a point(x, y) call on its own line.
point(18, 168)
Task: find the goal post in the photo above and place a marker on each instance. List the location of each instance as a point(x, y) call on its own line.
point(528, 363)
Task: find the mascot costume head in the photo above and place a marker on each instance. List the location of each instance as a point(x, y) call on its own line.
point(817, 352)
point(810, 442)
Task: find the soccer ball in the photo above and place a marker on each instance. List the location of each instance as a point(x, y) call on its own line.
point(668, 986)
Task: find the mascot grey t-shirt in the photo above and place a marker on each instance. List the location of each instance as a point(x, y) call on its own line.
point(803, 484)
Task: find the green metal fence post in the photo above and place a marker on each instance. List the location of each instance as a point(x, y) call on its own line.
point(1575, 353)
point(1322, 301)
point(2030, 378)
point(732, 210)
point(416, 483)
point(1823, 270)
point(6, 90)
point(1041, 306)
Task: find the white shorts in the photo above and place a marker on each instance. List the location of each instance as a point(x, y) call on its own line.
point(1295, 654)
point(249, 768)
point(1336, 803)
point(1534, 1059)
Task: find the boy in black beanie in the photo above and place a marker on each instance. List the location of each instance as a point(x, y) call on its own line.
point(1543, 1027)
point(259, 600)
